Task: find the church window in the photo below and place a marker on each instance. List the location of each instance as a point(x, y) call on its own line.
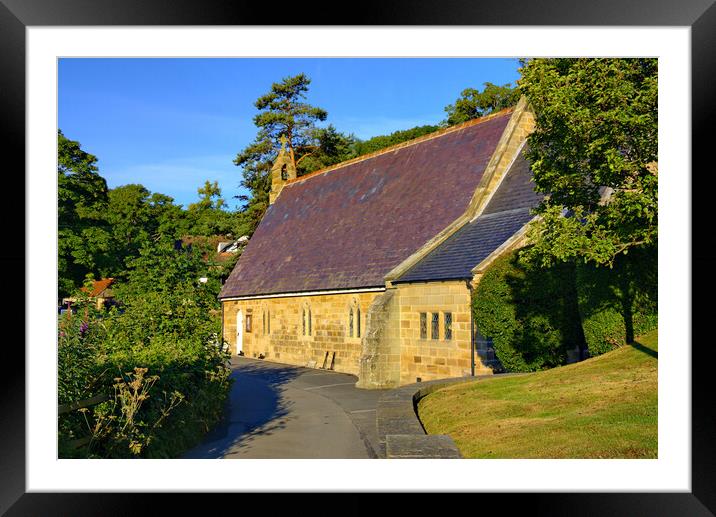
point(448, 325)
point(309, 321)
point(423, 325)
point(303, 320)
point(357, 321)
point(248, 323)
point(434, 325)
point(268, 322)
point(350, 322)
point(284, 172)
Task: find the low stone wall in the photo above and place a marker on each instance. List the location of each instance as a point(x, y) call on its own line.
point(400, 432)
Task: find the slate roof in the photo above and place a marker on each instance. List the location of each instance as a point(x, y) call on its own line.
point(347, 227)
point(505, 214)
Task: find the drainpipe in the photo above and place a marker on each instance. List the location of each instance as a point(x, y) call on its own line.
point(472, 343)
point(221, 339)
point(472, 334)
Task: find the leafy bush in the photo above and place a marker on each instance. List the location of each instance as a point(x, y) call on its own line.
point(529, 312)
point(620, 303)
point(158, 357)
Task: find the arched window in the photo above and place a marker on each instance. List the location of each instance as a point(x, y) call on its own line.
point(354, 323)
point(303, 320)
point(284, 172)
point(350, 322)
point(268, 322)
point(309, 321)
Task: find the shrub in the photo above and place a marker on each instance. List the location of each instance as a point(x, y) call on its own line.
point(529, 312)
point(157, 358)
point(620, 303)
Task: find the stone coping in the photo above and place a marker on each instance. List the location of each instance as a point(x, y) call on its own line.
point(400, 432)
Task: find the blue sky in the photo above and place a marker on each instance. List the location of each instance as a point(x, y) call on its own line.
point(171, 124)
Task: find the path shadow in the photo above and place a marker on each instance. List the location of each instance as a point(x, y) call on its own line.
point(254, 408)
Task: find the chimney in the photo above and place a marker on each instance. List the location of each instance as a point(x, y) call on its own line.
point(281, 171)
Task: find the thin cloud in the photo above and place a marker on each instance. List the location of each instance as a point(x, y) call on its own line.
point(181, 177)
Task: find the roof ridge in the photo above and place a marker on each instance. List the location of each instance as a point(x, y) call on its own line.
point(435, 134)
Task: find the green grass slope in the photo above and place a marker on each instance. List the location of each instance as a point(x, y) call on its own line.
point(604, 407)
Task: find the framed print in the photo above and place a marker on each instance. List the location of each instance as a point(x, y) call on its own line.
point(35, 34)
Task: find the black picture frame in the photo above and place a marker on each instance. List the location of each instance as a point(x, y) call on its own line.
point(699, 15)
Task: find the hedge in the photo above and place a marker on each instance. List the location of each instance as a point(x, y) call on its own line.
point(620, 303)
point(530, 313)
point(534, 315)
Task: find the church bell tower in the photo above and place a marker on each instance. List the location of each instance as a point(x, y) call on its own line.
point(281, 171)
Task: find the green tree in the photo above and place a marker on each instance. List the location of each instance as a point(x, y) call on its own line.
point(377, 143)
point(209, 197)
point(283, 112)
point(208, 216)
point(136, 217)
point(331, 147)
point(594, 150)
point(84, 240)
point(473, 103)
point(169, 329)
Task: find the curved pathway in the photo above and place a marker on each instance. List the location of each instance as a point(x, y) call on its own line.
point(282, 411)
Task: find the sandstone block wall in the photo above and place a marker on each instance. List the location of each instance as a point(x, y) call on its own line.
point(394, 351)
point(285, 343)
point(429, 358)
point(380, 359)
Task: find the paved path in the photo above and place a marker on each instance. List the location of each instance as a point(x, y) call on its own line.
point(281, 411)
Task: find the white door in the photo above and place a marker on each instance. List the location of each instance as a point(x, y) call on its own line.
point(239, 331)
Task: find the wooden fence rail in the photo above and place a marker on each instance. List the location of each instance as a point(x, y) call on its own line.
point(72, 406)
point(93, 401)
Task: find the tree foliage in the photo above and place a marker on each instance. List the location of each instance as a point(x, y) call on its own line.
point(136, 217)
point(530, 312)
point(618, 304)
point(283, 113)
point(594, 150)
point(379, 142)
point(473, 103)
point(208, 216)
point(83, 234)
point(101, 230)
point(159, 358)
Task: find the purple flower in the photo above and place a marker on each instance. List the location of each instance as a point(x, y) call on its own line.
point(83, 328)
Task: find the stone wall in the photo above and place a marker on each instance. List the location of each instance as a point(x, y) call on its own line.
point(380, 360)
point(390, 351)
point(277, 328)
point(427, 358)
point(395, 353)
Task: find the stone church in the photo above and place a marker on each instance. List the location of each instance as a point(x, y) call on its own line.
point(367, 267)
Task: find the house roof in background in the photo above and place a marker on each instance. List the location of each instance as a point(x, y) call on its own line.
point(98, 286)
point(504, 215)
point(348, 226)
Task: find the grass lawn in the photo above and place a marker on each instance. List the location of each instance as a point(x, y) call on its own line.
point(605, 407)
